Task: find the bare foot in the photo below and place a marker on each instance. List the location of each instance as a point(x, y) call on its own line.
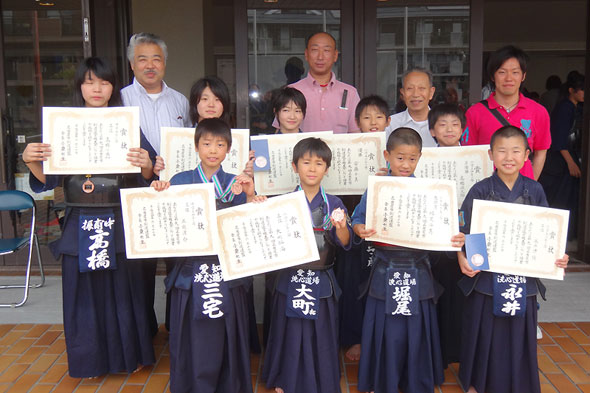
point(354, 353)
point(472, 390)
point(279, 390)
point(138, 369)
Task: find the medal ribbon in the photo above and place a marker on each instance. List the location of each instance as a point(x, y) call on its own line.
point(327, 224)
point(225, 196)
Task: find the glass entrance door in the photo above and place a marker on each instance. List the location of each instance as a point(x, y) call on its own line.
point(276, 45)
point(432, 37)
point(276, 35)
point(43, 42)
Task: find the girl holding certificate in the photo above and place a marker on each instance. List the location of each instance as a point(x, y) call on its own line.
point(106, 318)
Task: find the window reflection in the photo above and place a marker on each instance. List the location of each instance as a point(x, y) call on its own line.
point(433, 37)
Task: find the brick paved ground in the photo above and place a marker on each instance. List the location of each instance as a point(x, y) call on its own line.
point(33, 359)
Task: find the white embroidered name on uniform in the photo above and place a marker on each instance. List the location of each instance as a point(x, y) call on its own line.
point(303, 300)
point(99, 257)
point(401, 292)
point(509, 295)
point(512, 294)
point(212, 296)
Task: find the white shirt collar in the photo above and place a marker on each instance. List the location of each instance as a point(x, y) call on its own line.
point(142, 89)
point(409, 119)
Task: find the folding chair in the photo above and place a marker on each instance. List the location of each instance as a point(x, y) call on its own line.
point(12, 200)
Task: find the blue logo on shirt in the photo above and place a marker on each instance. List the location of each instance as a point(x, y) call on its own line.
point(465, 136)
point(525, 125)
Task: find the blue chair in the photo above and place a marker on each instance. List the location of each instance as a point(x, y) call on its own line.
point(12, 200)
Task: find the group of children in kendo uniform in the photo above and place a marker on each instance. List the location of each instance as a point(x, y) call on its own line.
point(211, 354)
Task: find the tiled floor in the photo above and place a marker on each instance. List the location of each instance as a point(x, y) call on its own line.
point(33, 359)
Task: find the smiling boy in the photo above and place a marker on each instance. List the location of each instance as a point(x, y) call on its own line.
point(487, 364)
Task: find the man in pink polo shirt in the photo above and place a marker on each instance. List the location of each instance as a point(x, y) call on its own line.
point(507, 70)
point(330, 103)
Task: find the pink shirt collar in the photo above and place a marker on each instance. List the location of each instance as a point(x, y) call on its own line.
point(313, 83)
point(494, 104)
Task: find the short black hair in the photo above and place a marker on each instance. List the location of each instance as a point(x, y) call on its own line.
point(312, 146)
point(372, 100)
point(509, 132)
point(553, 82)
point(215, 127)
point(309, 37)
point(285, 95)
point(575, 81)
point(503, 54)
point(404, 136)
point(443, 110)
point(101, 68)
point(218, 87)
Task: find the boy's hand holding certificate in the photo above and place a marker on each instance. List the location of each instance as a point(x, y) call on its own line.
point(178, 222)
point(261, 237)
point(412, 212)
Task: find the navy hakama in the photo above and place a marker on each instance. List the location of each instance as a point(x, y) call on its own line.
point(400, 352)
point(209, 355)
point(106, 313)
point(106, 326)
point(449, 307)
point(352, 272)
point(302, 354)
point(499, 354)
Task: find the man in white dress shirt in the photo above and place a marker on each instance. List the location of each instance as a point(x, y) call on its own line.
point(160, 105)
point(417, 91)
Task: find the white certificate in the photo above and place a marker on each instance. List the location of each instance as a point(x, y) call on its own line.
point(465, 165)
point(261, 237)
point(280, 179)
point(177, 147)
point(177, 222)
point(355, 157)
point(413, 212)
point(90, 140)
point(522, 239)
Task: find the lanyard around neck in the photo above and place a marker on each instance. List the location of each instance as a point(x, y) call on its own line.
point(327, 223)
point(225, 195)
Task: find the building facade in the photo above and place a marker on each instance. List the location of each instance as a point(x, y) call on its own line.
point(257, 46)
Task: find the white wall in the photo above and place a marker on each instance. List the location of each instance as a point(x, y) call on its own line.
point(180, 24)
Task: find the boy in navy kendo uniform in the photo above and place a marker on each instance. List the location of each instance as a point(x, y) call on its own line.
point(371, 115)
point(302, 349)
point(209, 341)
point(399, 352)
point(499, 351)
point(446, 122)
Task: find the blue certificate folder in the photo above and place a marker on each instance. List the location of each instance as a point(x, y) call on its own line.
point(262, 160)
point(477, 252)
